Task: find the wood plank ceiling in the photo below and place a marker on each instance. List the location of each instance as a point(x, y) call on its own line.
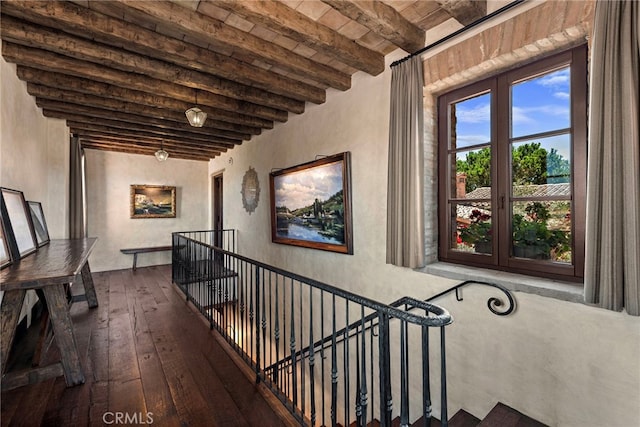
point(122, 73)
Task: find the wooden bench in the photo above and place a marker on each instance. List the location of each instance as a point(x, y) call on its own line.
point(136, 251)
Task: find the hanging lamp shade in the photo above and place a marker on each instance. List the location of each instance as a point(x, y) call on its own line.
point(161, 155)
point(196, 117)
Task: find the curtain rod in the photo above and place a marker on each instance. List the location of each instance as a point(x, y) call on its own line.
point(460, 31)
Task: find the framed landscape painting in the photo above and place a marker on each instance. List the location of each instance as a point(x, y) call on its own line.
point(311, 205)
point(153, 201)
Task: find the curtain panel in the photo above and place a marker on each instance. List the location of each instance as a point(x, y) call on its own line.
point(405, 210)
point(77, 221)
point(612, 263)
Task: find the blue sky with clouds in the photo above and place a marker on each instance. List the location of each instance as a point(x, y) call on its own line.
point(538, 105)
point(300, 189)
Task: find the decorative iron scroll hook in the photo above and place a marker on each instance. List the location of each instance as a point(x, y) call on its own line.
point(493, 303)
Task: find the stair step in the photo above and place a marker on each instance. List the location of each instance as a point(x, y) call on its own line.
point(500, 416)
point(504, 416)
point(461, 419)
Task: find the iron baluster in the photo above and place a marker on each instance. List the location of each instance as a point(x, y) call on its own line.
point(292, 347)
point(358, 380)
point(271, 310)
point(363, 386)
point(263, 324)
point(404, 375)
point(251, 330)
point(426, 379)
point(243, 284)
point(322, 357)
point(303, 381)
point(334, 367)
point(371, 369)
point(258, 310)
point(277, 335)
point(312, 361)
point(443, 380)
point(345, 360)
point(386, 404)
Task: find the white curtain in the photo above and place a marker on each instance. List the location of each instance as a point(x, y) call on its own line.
point(405, 210)
point(612, 264)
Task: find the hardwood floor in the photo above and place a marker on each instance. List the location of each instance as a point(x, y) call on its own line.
point(148, 359)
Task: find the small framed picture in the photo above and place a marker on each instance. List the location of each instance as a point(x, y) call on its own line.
point(17, 223)
point(39, 223)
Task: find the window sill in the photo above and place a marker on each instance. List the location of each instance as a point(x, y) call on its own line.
point(565, 291)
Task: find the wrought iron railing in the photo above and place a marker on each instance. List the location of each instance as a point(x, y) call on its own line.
point(332, 357)
point(494, 304)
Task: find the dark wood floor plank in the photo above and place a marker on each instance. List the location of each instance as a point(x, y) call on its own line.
point(210, 385)
point(143, 349)
point(123, 360)
point(183, 385)
point(99, 402)
point(248, 400)
point(33, 405)
point(156, 389)
point(125, 384)
point(223, 411)
point(9, 404)
point(156, 291)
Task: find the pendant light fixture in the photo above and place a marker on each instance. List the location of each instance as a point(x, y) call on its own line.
point(195, 115)
point(161, 155)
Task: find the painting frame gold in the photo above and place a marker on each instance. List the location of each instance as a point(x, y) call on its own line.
point(152, 201)
point(311, 204)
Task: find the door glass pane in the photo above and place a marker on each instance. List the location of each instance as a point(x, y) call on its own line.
point(472, 227)
point(471, 174)
point(470, 122)
point(542, 230)
point(541, 104)
point(541, 167)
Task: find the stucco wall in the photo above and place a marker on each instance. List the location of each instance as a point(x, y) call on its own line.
point(34, 151)
point(109, 177)
point(563, 363)
point(34, 154)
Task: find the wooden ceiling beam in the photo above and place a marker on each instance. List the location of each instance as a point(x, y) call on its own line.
point(75, 19)
point(222, 37)
point(27, 34)
point(102, 146)
point(153, 141)
point(289, 22)
point(383, 20)
point(464, 11)
point(172, 147)
point(143, 102)
point(49, 61)
point(133, 129)
point(65, 107)
point(125, 111)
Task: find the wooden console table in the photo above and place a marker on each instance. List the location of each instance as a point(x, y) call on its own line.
point(49, 269)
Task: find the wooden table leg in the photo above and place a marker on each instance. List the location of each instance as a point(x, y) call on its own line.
point(9, 316)
point(89, 288)
point(64, 335)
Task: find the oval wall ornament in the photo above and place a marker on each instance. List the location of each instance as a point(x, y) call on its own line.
point(250, 190)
